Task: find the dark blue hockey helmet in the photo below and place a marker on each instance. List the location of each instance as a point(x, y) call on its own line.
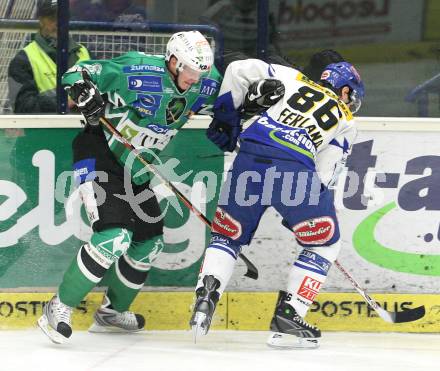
point(343, 74)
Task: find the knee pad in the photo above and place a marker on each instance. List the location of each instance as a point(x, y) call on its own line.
point(144, 253)
point(112, 243)
point(105, 247)
point(133, 267)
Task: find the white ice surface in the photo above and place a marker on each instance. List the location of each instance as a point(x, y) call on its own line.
point(219, 350)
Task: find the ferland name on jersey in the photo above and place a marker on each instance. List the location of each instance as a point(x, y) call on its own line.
point(294, 119)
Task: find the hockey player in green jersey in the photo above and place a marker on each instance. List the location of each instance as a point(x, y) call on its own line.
point(148, 99)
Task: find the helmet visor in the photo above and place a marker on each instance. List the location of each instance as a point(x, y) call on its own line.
point(355, 102)
point(191, 73)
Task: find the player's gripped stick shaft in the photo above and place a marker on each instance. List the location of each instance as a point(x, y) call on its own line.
point(252, 271)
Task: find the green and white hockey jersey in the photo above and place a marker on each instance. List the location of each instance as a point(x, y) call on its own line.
point(144, 104)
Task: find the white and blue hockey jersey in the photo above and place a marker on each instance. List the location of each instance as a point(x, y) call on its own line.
point(310, 123)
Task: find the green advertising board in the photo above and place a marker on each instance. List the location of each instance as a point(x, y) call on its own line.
point(39, 232)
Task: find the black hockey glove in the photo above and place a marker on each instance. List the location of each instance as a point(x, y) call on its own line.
point(261, 95)
point(88, 99)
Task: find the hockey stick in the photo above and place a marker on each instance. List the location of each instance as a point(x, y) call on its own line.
point(408, 315)
point(252, 271)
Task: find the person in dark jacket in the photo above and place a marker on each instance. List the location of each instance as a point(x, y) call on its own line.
point(32, 72)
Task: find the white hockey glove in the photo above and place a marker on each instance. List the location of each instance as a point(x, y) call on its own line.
point(153, 137)
point(262, 95)
point(88, 99)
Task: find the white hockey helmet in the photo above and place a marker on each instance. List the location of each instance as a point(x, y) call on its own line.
point(191, 50)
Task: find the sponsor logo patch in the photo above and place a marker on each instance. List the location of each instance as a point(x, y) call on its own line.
point(145, 83)
point(309, 288)
point(147, 104)
point(159, 129)
point(149, 100)
point(315, 231)
point(208, 87)
point(143, 68)
point(226, 225)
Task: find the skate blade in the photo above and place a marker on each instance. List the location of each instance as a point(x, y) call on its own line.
point(279, 340)
point(52, 334)
point(197, 325)
point(95, 328)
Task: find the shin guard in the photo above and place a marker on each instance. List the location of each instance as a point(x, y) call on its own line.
point(91, 263)
point(128, 275)
point(219, 261)
point(308, 274)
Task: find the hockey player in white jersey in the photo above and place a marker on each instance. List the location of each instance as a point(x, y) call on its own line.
point(287, 159)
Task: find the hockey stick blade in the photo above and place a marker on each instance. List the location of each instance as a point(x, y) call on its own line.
point(409, 315)
point(252, 271)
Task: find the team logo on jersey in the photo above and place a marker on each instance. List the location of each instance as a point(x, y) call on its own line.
point(315, 231)
point(309, 288)
point(175, 109)
point(226, 225)
point(145, 83)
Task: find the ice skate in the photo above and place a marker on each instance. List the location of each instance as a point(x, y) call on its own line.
point(106, 319)
point(55, 321)
point(290, 330)
point(204, 307)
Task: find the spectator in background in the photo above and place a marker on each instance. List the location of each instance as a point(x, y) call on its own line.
point(124, 11)
point(237, 19)
point(32, 72)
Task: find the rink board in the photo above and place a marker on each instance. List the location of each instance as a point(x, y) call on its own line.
point(235, 311)
point(390, 243)
point(390, 229)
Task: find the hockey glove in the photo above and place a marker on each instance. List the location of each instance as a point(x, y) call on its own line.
point(88, 99)
point(262, 95)
point(224, 129)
